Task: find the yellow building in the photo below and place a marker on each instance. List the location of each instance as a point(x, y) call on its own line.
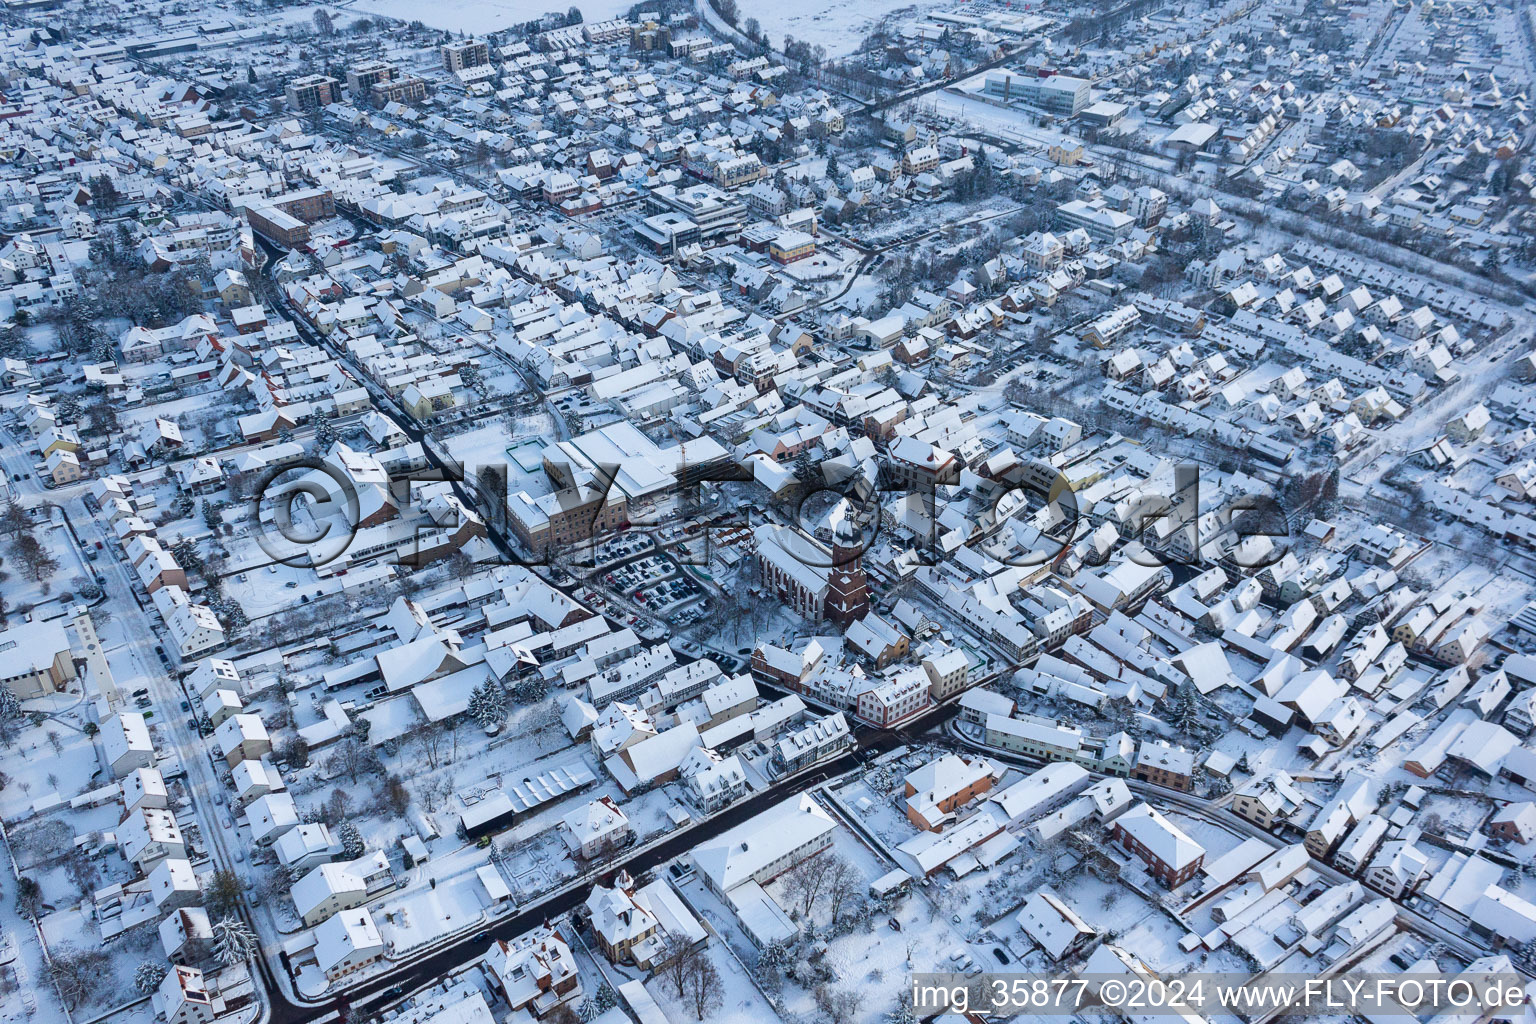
point(35, 658)
point(1069, 153)
point(791, 246)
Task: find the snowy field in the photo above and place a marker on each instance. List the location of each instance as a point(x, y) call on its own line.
point(478, 16)
point(838, 25)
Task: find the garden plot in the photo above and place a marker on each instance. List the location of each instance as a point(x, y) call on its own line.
point(877, 811)
point(96, 978)
point(50, 760)
point(739, 1001)
point(537, 866)
point(23, 593)
point(872, 961)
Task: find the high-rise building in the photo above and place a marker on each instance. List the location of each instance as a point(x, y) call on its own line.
point(466, 53)
point(408, 89)
point(312, 91)
point(366, 75)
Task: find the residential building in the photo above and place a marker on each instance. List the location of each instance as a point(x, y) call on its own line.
point(1170, 856)
point(346, 943)
point(464, 53)
point(936, 791)
point(36, 657)
point(311, 91)
point(1268, 800)
point(184, 998)
point(535, 971)
point(1164, 765)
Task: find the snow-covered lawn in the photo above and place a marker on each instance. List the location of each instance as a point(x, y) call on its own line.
point(23, 593)
point(741, 1003)
point(50, 762)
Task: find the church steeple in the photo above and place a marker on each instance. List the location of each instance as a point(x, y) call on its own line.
point(847, 586)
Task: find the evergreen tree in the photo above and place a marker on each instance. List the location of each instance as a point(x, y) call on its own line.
point(104, 193)
point(233, 942)
point(185, 552)
point(488, 704)
point(529, 689)
point(1185, 715)
point(325, 437)
point(352, 845)
point(148, 976)
point(773, 961)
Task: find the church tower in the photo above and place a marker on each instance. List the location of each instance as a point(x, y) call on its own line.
point(847, 586)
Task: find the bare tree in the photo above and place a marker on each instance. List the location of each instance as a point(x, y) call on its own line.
point(353, 759)
point(805, 882)
point(433, 791)
point(78, 973)
point(395, 797)
point(14, 520)
point(845, 887)
point(274, 882)
point(37, 563)
point(678, 955)
point(705, 989)
point(81, 867)
point(838, 1003)
point(428, 738)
